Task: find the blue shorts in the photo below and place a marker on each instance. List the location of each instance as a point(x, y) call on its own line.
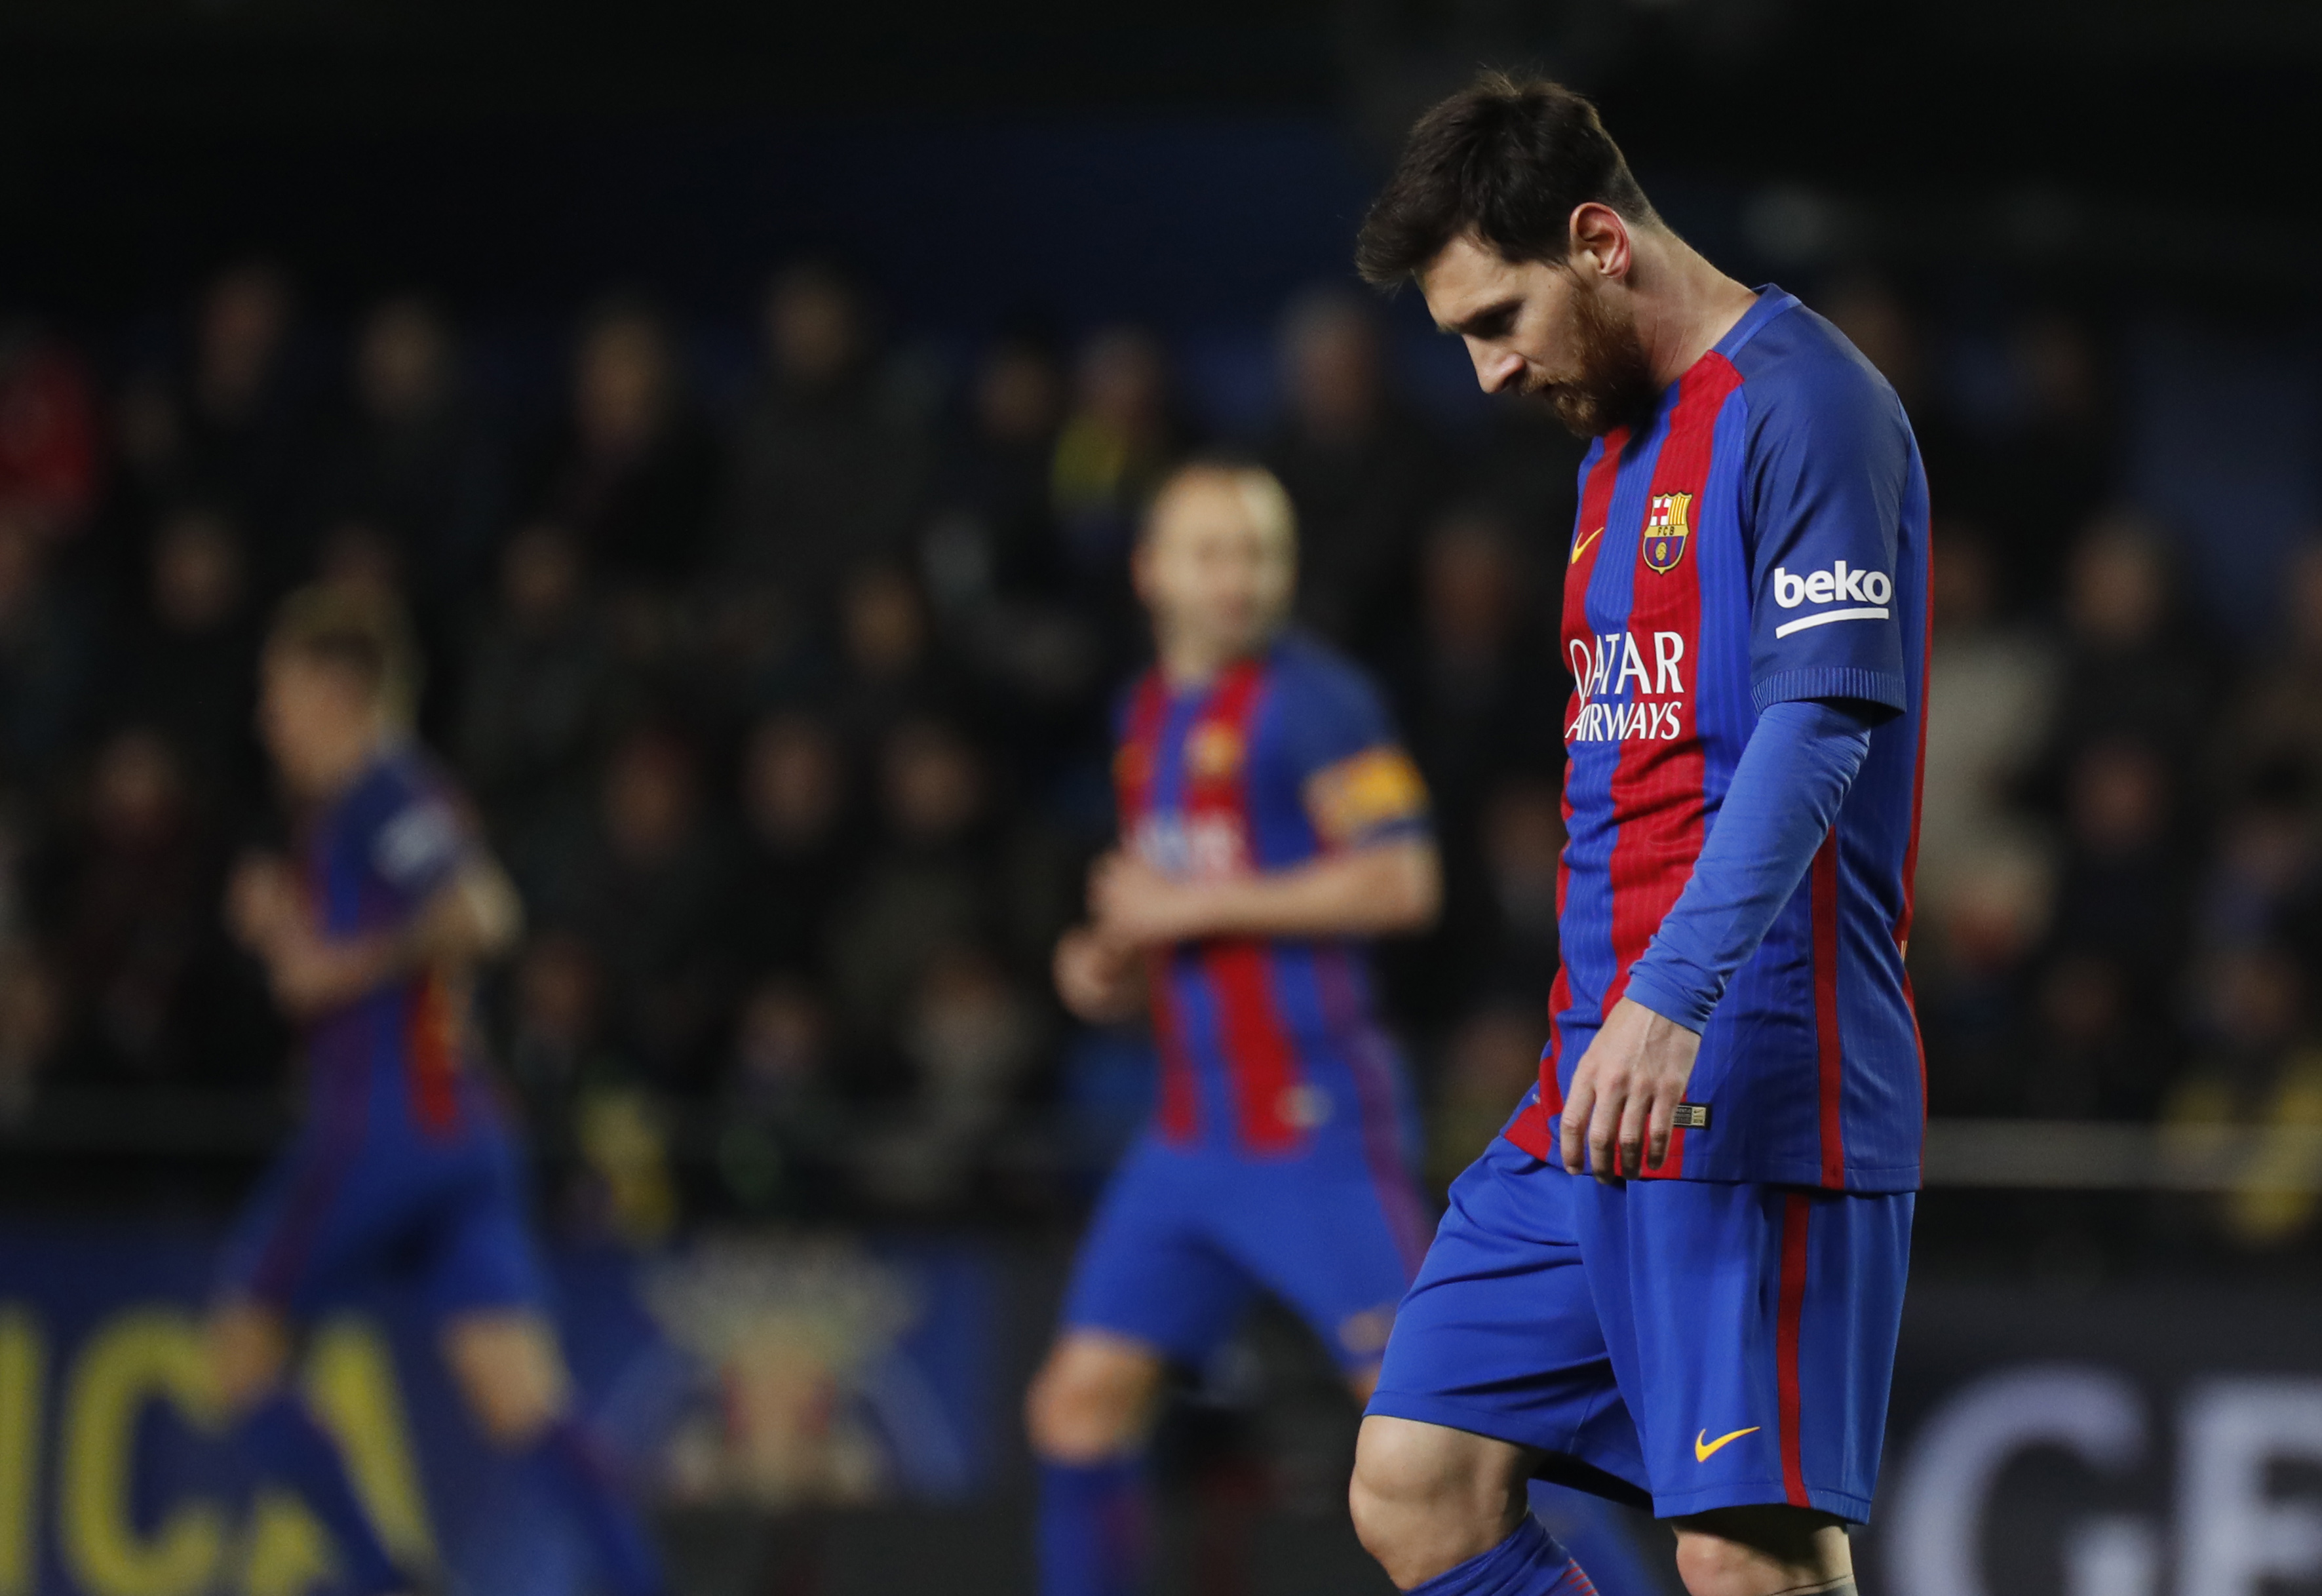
point(335, 1216)
point(1183, 1238)
point(1702, 1344)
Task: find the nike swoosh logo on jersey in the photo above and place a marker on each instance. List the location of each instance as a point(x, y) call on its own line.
point(1582, 544)
point(1704, 1448)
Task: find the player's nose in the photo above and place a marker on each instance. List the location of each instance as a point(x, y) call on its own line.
point(1495, 368)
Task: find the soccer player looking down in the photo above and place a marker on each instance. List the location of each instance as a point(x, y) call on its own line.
point(1268, 824)
point(370, 937)
point(1709, 1322)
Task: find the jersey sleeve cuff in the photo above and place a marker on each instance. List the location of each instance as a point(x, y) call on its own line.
point(1884, 688)
point(1650, 988)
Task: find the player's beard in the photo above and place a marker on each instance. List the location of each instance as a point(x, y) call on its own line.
point(1612, 381)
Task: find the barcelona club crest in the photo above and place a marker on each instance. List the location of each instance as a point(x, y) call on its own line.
point(1666, 530)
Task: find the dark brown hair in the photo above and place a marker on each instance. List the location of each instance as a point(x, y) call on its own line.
point(1506, 159)
point(355, 630)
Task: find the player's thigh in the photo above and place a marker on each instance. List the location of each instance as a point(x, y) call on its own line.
point(1753, 1329)
point(1499, 1336)
point(1149, 1270)
point(325, 1214)
point(1094, 1396)
point(1330, 1242)
point(510, 1370)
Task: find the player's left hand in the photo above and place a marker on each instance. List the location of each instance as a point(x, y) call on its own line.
point(1136, 905)
point(1625, 1093)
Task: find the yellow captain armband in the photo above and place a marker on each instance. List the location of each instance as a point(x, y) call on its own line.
point(1358, 796)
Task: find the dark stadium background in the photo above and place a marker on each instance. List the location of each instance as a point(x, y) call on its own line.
point(2083, 239)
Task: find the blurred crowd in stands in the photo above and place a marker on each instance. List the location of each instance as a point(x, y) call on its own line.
point(789, 717)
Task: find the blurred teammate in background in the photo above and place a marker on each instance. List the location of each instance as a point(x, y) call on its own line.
point(1268, 824)
point(370, 936)
point(1679, 1273)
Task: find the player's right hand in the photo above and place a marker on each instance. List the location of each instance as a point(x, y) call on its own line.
point(263, 904)
point(1099, 980)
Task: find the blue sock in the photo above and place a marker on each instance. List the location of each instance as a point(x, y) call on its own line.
point(292, 1450)
point(572, 1466)
point(1529, 1562)
point(1094, 1533)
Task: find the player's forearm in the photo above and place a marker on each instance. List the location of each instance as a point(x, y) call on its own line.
point(473, 918)
point(1786, 792)
point(1367, 892)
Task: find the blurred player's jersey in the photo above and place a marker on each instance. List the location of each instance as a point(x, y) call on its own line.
point(1762, 538)
point(398, 1056)
point(1271, 1047)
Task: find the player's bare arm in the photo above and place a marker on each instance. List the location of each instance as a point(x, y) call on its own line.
point(1382, 889)
point(473, 918)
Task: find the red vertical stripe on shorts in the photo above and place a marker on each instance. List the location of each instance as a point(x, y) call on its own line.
point(1831, 1088)
point(1659, 788)
point(1534, 1129)
point(1178, 1113)
point(1260, 1063)
point(1798, 1214)
point(433, 1034)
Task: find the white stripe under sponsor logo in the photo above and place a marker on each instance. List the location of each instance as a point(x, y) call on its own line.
point(1869, 612)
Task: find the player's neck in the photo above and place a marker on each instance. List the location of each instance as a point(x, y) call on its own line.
point(1684, 304)
point(1190, 662)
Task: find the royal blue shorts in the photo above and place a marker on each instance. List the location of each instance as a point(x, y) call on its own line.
point(1703, 1344)
point(337, 1214)
point(1182, 1240)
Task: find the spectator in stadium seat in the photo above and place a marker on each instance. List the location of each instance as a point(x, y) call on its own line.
point(891, 659)
point(410, 462)
point(969, 1038)
point(798, 847)
point(46, 649)
point(2260, 1068)
point(779, 1112)
point(1479, 697)
point(2124, 889)
point(632, 469)
point(948, 869)
point(2100, 1048)
point(2262, 883)
point(31, 1013)
point(542, 688)
point(2276, 722)
point(187, 663)
point(647, 888)
point(996, 574)
point(1363, 471)
point(829, 466)
point(1522, 835)
point(242, 432)
point(48, 431)
point(2130, 669)
point(1120, 437)
point(556, 1031)
point(132, 921)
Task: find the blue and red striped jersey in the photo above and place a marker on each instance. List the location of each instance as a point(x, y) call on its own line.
point(371, 860)
point(1762, 537)
point(1268, 1047)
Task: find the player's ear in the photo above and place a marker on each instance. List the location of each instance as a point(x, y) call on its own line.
point(1600, 241)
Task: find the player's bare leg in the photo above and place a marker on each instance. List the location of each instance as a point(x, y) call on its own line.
point(1764, 1551)
point(1088, 1414)
point(1426, 1497)
point(513, 1374)
point(1093, 1398)
point(249, 1347)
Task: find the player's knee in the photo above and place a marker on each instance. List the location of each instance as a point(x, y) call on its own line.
point(1425, 1497)
point(1085, 1407)
point(249, 1351)
point(1749, 1552)
point(512, 1374)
